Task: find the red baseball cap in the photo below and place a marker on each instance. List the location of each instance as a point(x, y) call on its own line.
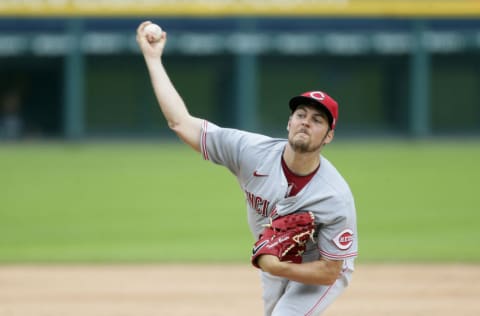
point(320, 98)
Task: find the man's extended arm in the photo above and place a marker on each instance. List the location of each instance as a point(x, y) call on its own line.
point(187, 127)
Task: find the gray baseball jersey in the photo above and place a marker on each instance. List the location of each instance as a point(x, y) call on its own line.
point(256, 162)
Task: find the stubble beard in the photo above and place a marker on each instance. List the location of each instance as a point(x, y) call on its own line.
point(303, 147)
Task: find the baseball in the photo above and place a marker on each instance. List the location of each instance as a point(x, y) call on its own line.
point(154, 32)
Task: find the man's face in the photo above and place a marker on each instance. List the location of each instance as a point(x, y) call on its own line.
point(308, 129)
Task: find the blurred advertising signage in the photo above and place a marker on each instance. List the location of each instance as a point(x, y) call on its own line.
point(431, 8)
point(299, 44)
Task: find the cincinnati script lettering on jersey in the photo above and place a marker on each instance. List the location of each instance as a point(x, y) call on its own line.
point(259, 204)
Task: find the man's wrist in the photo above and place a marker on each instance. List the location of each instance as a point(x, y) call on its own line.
point(271, 264)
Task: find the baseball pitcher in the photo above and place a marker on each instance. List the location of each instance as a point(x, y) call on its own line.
point(301, 211)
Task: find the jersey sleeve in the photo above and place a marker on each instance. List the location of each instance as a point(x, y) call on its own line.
point(222, 145)
point(338, 240)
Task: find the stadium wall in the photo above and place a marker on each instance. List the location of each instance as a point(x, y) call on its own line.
point(83, 76)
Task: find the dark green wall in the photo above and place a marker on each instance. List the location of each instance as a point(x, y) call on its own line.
point(373, 92)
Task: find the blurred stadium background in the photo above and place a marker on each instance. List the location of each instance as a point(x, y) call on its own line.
point(406, 75)
point(71, 68)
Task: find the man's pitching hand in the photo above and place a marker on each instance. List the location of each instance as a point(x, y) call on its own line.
point(150, 49)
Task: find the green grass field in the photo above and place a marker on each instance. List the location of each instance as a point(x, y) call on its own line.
point(416, 201)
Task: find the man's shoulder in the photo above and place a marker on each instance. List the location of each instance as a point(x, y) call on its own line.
point(329, 174)
point(251, 140)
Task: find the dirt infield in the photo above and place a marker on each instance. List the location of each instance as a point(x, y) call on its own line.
point(233, 290)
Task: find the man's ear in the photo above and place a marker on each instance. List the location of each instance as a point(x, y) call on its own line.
point(329, 137)
point(288, 123)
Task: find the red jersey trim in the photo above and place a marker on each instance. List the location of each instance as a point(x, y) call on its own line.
point(334, 256)
point(204, 140)
point(310, 312)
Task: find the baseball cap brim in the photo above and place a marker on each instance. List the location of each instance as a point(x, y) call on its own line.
point(301, 100)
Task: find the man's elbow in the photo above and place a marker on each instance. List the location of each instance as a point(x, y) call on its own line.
point(188, 133)
point(331, 279)
point(334, 272)
point(173, 125)
point(179, 128)
point(185, 124)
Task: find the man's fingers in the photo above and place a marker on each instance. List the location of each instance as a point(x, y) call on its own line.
point(142, 26)
point(150, 46)
point(140, 30)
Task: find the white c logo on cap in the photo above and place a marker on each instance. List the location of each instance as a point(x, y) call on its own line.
point(318, 95)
